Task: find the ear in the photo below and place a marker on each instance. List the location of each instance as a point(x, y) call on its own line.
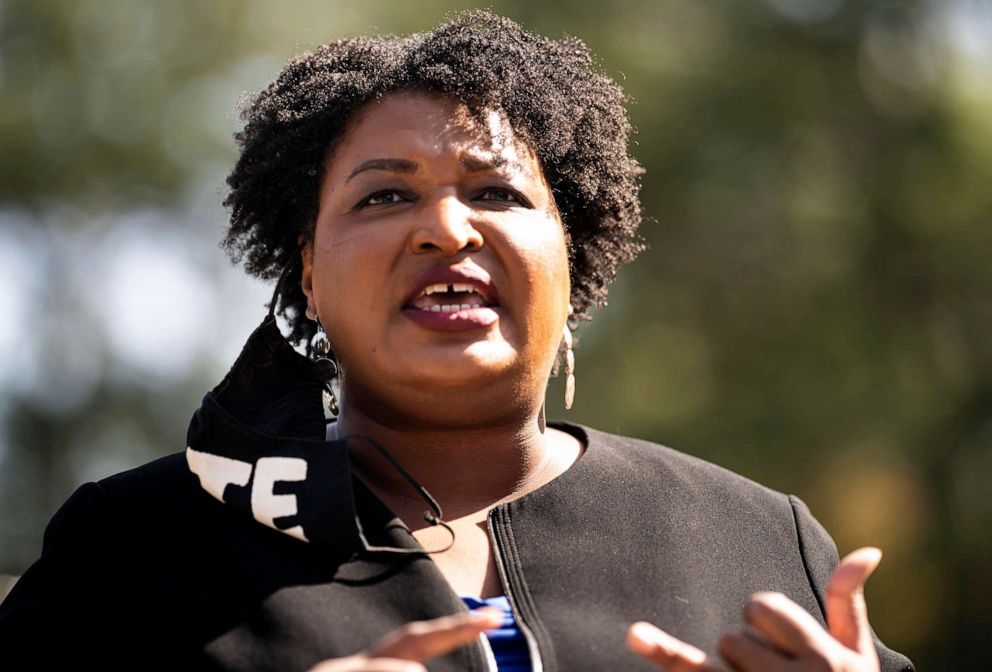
point(306, 276)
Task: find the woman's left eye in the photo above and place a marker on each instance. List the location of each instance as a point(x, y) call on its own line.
point(500, 195)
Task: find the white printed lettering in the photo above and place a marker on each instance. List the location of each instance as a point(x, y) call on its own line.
point(216, 472)
point(265, 505)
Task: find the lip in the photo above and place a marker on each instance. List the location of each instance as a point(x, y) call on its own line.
point(469, 275)
point(459, 320)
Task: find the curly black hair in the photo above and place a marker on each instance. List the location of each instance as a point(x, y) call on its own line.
point(571, 116)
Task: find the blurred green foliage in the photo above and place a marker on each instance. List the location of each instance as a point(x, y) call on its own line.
point(813, 312)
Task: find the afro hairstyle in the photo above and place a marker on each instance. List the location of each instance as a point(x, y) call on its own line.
point(572, 117)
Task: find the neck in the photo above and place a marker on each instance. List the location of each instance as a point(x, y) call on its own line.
point(465, 468)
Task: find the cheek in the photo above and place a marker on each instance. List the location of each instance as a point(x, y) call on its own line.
point(348, 259)
point(537, 266)
point(544, 256)
point(346, 284)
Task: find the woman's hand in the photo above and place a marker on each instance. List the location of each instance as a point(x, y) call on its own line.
point(789, 638)
point(405, 649)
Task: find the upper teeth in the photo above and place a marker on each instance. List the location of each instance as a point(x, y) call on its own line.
point(454, 287)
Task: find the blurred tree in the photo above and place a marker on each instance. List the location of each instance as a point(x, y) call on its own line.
point(813, 311)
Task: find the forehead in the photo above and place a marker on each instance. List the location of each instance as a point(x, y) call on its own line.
point(425, 126)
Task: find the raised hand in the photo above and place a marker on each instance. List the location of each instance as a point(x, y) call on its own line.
point(405, 650)
point(789, 638)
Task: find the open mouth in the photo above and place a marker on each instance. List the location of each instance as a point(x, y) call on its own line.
point(453, 299)
point(450, 298)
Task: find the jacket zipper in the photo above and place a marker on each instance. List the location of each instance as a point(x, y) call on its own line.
point(496, 534)
point(487, 651)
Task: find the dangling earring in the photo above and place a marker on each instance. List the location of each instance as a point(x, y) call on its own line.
point(569, 367)
point(320, 348)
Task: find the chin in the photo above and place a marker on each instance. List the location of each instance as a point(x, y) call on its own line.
point(429, 398)
point(456, 366)
point(464, 374)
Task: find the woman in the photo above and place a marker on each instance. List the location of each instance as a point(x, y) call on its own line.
point(441, 210)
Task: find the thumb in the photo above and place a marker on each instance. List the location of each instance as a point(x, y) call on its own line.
point(847, 613)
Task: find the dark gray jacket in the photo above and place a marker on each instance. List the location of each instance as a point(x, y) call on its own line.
point(146, 570)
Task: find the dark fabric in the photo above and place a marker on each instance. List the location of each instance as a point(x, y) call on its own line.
point(269, 406)
point(660, 536)
point(272, 388)
point(147, 570)
point(820, 557)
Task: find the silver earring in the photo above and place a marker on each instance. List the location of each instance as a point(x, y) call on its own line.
point(569, 367)
point(320, 347)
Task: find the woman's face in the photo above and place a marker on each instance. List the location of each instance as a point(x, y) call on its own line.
point(439, 266)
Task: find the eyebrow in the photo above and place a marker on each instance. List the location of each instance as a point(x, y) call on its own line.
point(475, 164)
point(470, 163)
point(392, 165)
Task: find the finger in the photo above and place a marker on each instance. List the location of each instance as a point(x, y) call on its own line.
point(391, 665)
point(747, 654)
point(362, 663)
point(424, 640)
point(847, 612)
point(786, 625)
point(666, 651)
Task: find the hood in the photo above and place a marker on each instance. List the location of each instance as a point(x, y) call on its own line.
point(257, 443)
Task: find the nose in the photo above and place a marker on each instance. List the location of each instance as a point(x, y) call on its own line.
point(446, 227)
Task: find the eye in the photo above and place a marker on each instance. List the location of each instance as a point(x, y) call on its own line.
point(502, 195)
point(383, 197)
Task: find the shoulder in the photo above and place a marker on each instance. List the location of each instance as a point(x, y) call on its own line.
point(169, 473)
point(660, 467)
point(97, 513)
point(696, 503)
point(94, 507)
point(158, 496)
point(171, 468)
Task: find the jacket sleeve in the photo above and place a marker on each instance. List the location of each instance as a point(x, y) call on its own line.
point(56, 614)
point(820, 557)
